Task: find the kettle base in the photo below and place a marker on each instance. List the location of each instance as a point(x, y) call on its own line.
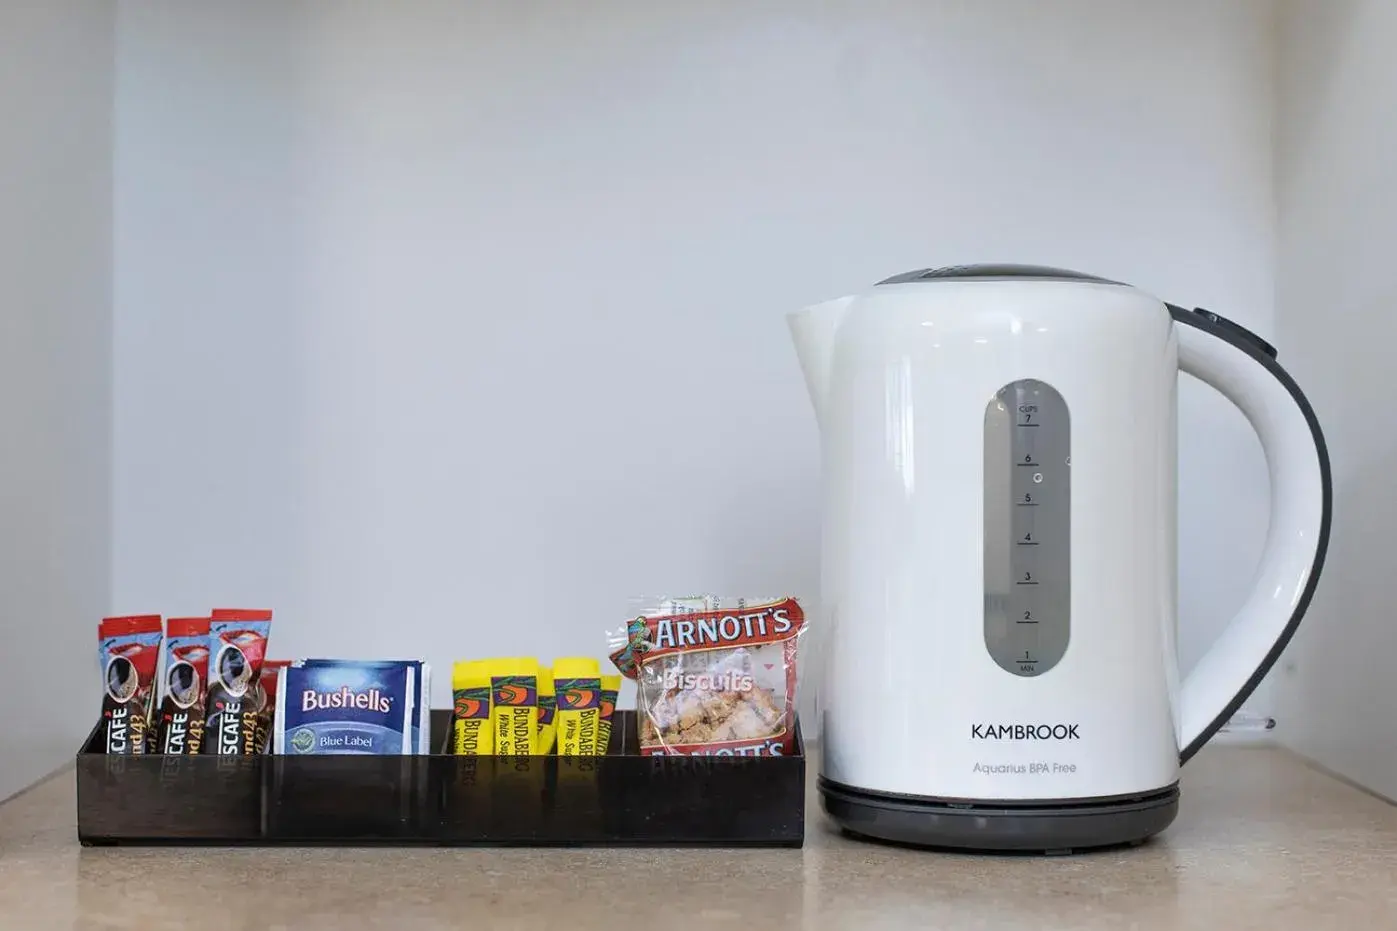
point(1055, 827)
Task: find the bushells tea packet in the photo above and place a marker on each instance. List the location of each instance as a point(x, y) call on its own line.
point(346, 707)
point(237, 646)
point(419, 712)
point(714, 675)
point(183, 685)
point(128, 649)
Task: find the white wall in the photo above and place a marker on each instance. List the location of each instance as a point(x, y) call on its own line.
point(55, 374)
point(443, 330)
point(1337, 286)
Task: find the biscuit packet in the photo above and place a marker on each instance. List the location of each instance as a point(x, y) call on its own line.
point(715, 676)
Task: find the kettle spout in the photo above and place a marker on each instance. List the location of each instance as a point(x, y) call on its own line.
point(813, 330)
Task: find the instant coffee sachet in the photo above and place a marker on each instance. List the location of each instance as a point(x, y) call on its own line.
point(183, 685)
point(128, 649)
point(237, 646)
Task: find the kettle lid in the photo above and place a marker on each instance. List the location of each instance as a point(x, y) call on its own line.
point(998, 271)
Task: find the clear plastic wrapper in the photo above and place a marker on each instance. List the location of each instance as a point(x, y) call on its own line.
point(714, 675)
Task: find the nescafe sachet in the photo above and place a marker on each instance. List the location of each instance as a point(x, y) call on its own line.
point(180, 722)
point(128, 649)
point(237, 646)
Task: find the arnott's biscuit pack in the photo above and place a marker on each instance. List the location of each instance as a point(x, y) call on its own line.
point(714, 675)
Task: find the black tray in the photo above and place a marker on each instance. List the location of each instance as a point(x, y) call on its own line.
point(621, 799)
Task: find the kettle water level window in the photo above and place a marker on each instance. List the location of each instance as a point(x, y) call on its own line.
point(1027, 527)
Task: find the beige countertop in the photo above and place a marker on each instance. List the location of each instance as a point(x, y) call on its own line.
point(1263, 841)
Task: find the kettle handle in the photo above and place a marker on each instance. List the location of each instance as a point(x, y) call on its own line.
point(1244, 369)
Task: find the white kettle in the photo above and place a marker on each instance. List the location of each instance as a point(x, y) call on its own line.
point(998, 584)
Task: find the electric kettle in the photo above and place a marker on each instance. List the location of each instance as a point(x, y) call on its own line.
point(998, 560)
